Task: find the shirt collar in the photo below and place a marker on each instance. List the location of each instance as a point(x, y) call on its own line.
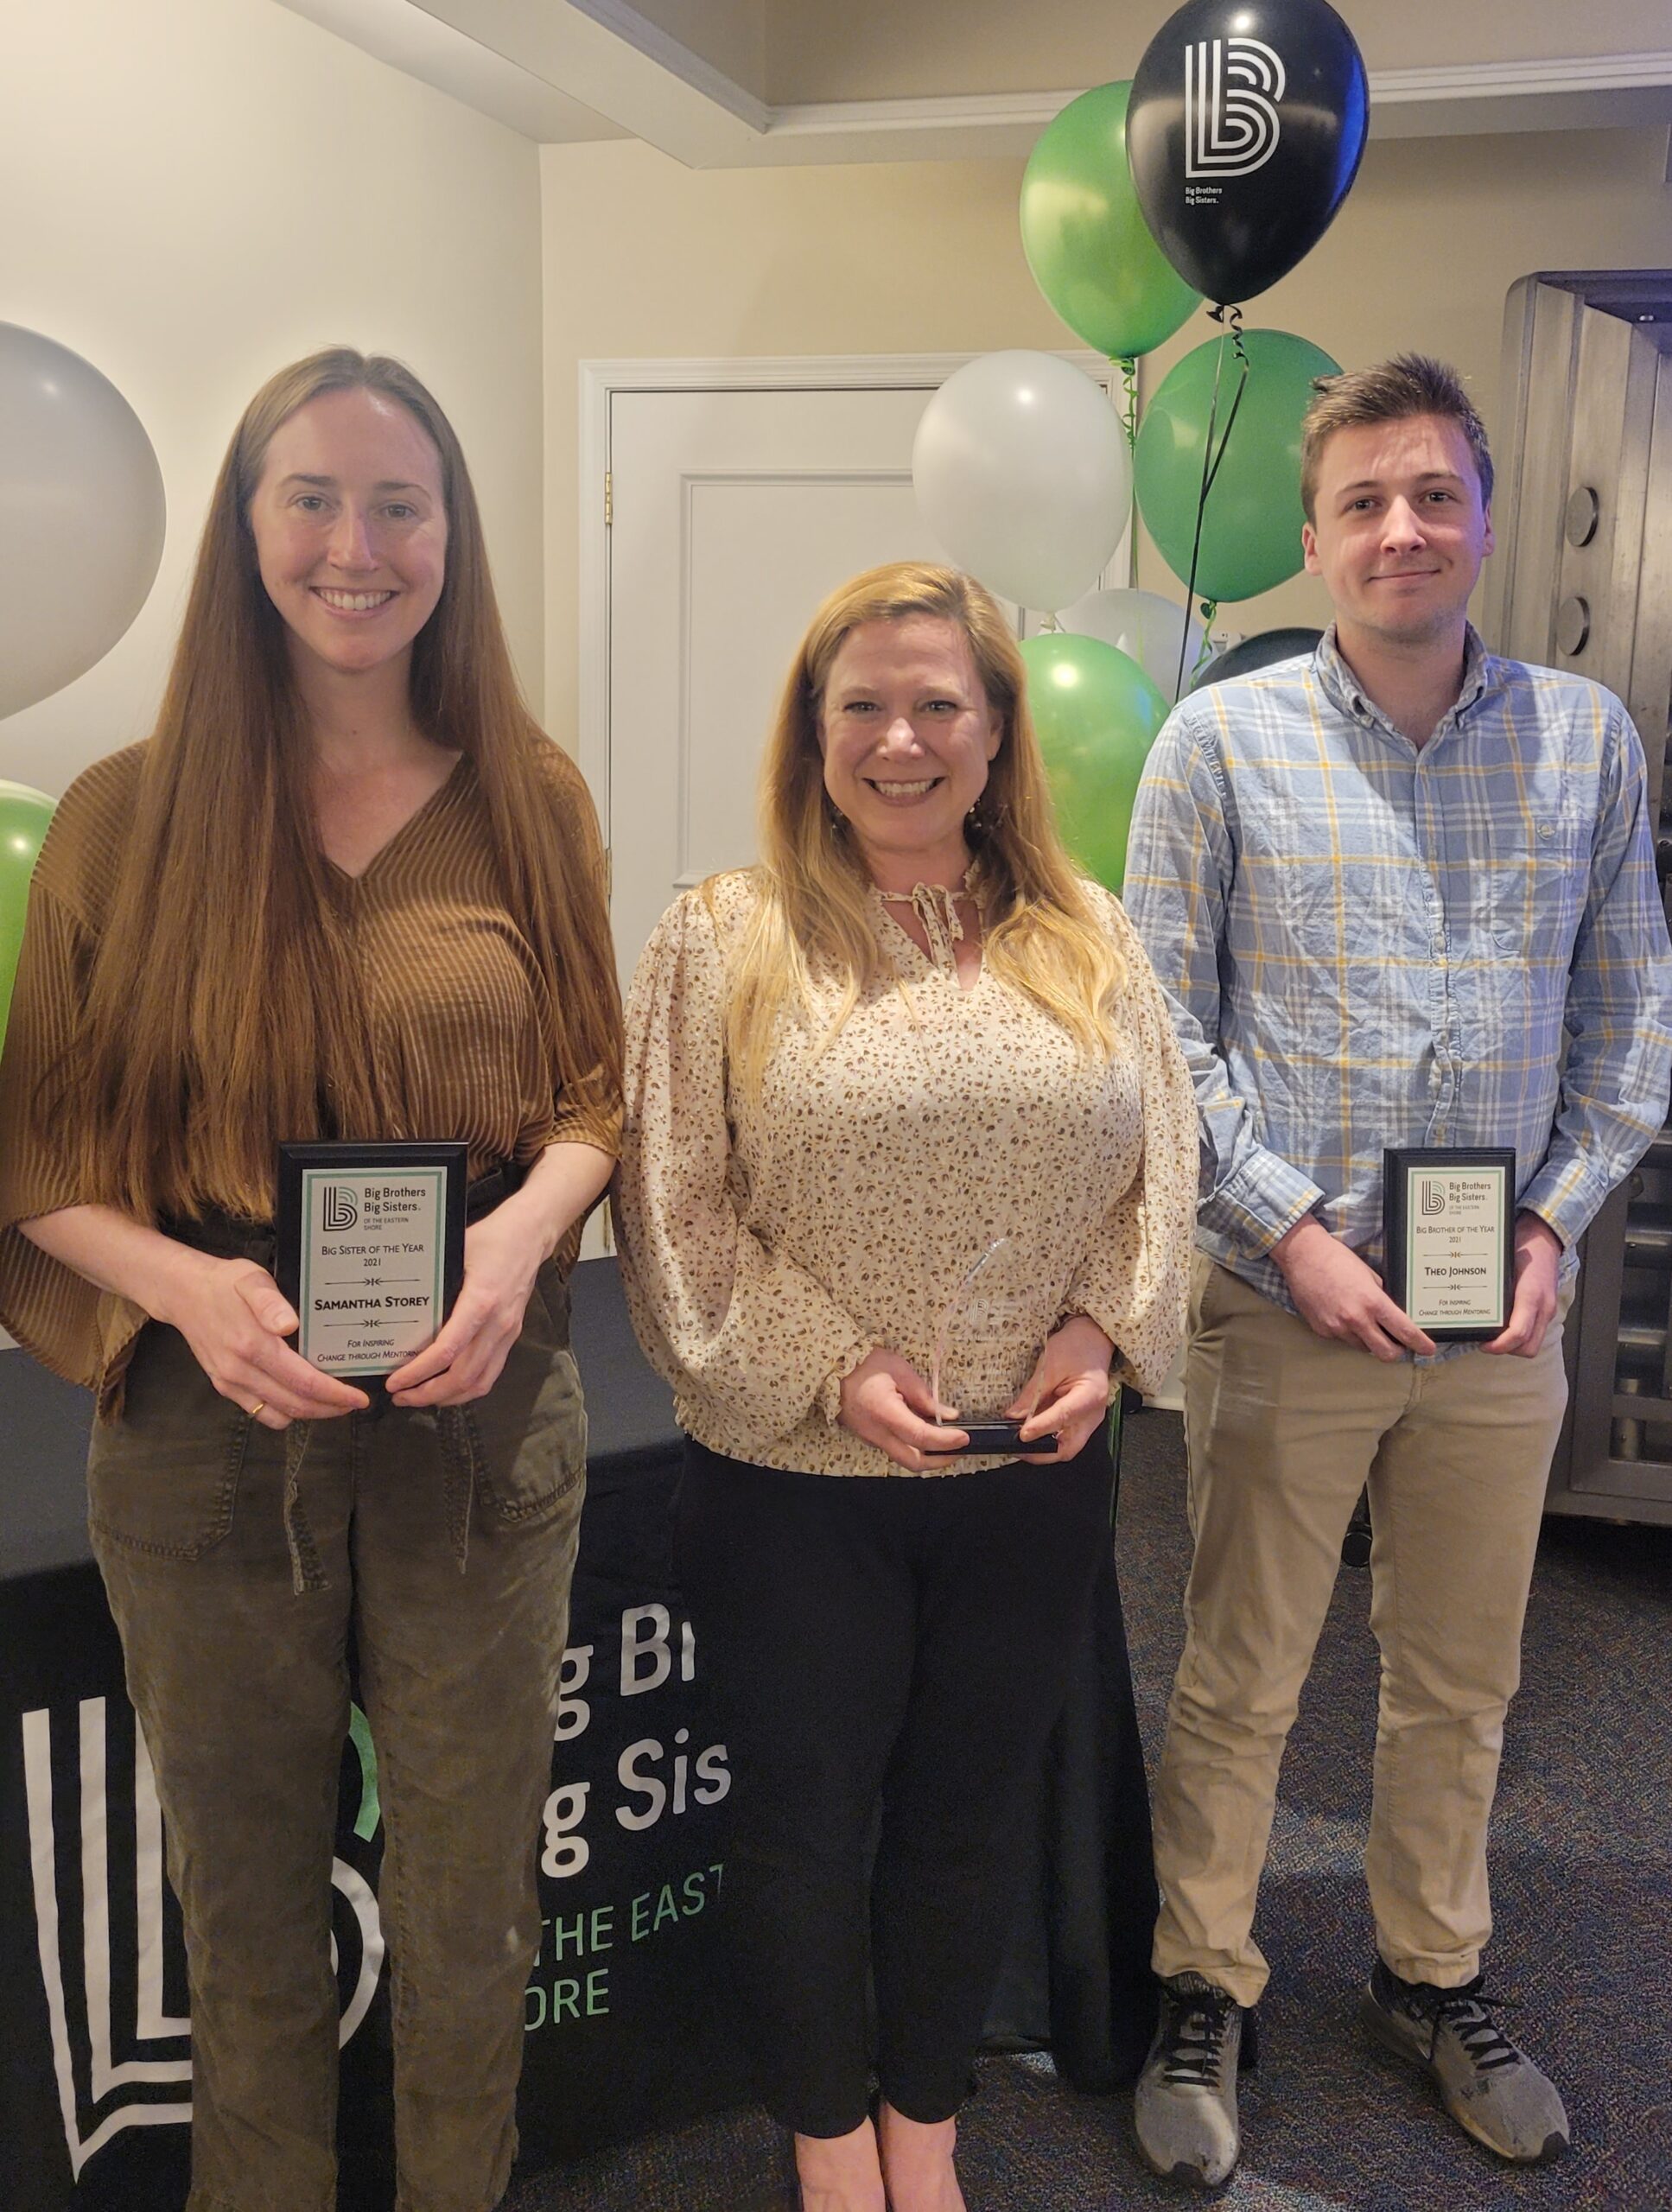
point(1342, 687)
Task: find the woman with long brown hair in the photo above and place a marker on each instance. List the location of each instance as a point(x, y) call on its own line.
point(346, 890)
point(908, 1142)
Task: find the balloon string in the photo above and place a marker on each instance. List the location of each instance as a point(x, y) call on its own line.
point(1211, 461)
point(1218, 314)
point(1128, 366)
point(1231, 422)
point(1208, 612)
point(1201, 510)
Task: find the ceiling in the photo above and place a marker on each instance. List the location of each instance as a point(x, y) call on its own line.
point(748, 83)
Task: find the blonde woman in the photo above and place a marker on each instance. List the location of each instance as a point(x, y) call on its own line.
point(911, 1033)
point(346, 890)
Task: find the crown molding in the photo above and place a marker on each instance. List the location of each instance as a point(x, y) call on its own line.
point(563, 70)
point(424, 45)
point(660, 47)
point(1589, 91)
point(612, 60)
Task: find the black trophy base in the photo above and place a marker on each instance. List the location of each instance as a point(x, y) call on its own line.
point(994, 1435)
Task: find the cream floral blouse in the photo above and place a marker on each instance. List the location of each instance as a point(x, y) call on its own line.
point(768, 1245)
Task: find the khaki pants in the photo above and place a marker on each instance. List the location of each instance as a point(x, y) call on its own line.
point(241, 1682)
point(1284, 1428)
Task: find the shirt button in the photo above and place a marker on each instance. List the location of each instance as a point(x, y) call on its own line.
point(1545, 832)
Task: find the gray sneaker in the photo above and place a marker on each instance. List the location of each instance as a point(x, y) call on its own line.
point(1487, 2083)
point(1186, 2108)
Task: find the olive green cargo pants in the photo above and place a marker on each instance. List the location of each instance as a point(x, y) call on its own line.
point(444, 1543)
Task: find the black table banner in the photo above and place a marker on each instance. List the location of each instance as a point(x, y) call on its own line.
point(626, 2018)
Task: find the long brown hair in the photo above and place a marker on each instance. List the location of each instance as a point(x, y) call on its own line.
point(1041, 933)
point(222, 1013)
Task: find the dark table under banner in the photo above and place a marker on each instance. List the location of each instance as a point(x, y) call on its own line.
point(624, 2023)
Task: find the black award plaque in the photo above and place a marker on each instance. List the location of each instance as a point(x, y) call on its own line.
point(370, 1250)
point(1448, 1215)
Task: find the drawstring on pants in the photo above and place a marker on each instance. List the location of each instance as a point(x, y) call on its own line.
point(461, 1459)
point(306, 1573)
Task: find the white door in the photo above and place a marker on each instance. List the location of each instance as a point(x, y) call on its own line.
point(734, 512)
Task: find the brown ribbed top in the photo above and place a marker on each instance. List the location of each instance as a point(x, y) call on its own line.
point(452, 1003)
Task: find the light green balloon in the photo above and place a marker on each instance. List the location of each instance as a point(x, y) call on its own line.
point(1096, 713)
point(1251, 525)
point(1084, 235)
point(24, 815)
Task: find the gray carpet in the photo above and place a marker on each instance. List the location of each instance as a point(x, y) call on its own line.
point(1582, 1892)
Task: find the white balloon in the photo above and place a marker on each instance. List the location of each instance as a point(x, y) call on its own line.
point(1146, 627)
point(1022, 470)
point(81, 516)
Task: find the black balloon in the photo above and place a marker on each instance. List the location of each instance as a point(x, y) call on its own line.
point(1261, 651)
point(1245, 130)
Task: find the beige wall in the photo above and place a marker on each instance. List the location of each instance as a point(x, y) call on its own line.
point(645, 258)
point(196, 190)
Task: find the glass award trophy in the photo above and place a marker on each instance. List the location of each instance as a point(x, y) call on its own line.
point(975, 1361)
point(370, 1250)
point(1448, 1218)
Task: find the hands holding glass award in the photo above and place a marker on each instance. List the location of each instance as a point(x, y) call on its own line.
point(967, 1407)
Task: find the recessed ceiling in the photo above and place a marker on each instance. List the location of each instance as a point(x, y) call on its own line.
point(744, 83)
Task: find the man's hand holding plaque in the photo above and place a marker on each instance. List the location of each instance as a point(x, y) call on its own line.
point(1338, 1294)
point(1538, 1263)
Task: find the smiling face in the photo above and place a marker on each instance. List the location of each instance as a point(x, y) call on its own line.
point(350, 528)
point(907, 732)
point(1400, 529)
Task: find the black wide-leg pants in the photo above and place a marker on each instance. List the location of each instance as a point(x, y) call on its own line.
point(901, 1642)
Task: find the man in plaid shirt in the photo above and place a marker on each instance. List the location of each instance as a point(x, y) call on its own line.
point(1385, 887)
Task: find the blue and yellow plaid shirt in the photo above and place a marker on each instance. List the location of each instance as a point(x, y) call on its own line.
point(1367, 945)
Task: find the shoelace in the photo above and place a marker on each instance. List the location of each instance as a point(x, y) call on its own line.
point(1464, 2011)
point(1195, 2047)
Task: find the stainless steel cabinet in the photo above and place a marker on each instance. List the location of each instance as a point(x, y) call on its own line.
point(1583, 580)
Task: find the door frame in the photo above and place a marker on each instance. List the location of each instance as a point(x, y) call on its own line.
point(600, 380)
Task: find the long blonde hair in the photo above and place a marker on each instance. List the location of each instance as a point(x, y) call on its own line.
point(811, 916)
point(222, 1012)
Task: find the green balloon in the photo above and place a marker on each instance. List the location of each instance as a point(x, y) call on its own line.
point(1096, 713)
point(1085, 237)
point(1251, 525)
point(24, 815)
